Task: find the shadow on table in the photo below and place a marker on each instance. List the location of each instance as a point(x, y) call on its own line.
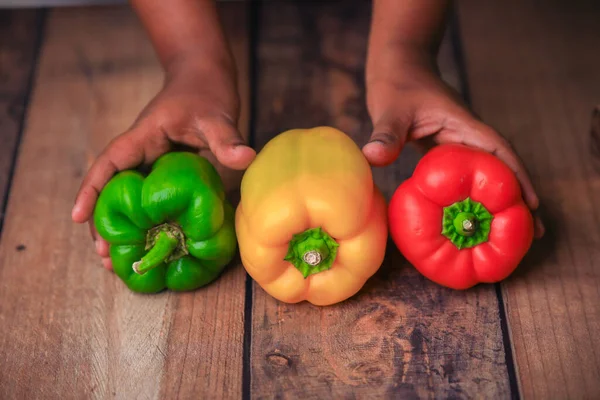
point(542, 249)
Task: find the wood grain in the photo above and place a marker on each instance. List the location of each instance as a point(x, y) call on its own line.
point(69, 328)
point(401, 336)
point(19, 34)
point(533, 73)
point(206, 343)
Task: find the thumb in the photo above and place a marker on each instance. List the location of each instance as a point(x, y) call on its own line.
point(387, 140)
point(228, 145)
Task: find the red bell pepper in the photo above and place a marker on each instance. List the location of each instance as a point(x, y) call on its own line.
point(460, 218)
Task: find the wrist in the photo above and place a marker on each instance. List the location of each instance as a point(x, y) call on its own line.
point(216, 82)
point(221, 65)
point(406, 68)
point(398, 62)
point(207, 75)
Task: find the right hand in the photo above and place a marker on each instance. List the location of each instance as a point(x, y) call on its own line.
point(195, 109)
point(418, 106)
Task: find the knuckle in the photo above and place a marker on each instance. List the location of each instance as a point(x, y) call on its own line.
point(217, 129)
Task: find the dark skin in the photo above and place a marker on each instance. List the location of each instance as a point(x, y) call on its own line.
point(199, 106)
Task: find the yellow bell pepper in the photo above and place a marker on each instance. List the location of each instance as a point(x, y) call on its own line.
point(311, 224)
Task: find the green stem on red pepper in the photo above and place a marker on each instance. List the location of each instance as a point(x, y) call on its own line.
point(466, 223)
point(312, 251)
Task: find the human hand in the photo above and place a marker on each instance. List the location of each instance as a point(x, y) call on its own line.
point(417, 106)
point(196, 109)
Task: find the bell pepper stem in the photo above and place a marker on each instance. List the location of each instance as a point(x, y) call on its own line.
point(466, 223)
point(312, 258)
point(165, 243)
point(312, 251)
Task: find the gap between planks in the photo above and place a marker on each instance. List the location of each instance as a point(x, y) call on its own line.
point(401, 335)
point(535, 78)
point(68, 327)
point(20, 39)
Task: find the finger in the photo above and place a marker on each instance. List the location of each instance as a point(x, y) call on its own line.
point(539, 228)
point(93, 231)
point(504, 151)
point(226, 143)
point(101, 245)
point(102, 248)
point(386, 142)
point(122, 153)
point(489, 140)
point(107, 263)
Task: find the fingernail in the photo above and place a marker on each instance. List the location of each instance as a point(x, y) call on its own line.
point(378, 141)
point(541, 225)
point(540, 228)
point(97, 244)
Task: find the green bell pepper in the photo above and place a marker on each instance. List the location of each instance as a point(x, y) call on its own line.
point(171, 229)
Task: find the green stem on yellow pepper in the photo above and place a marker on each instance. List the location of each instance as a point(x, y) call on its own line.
point(312, 251)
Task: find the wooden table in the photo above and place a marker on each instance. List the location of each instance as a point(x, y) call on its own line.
point(71, 79)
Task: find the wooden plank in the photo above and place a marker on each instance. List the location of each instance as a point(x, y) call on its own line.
point(534, 76)
point(401, 336)
point(69, 328)
point(19, 33)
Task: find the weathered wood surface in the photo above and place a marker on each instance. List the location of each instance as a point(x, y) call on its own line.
point(534, 74)
point(19, 34)
point(401, 336)
point(69, 328)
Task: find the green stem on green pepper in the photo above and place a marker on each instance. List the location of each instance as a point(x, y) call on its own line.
point(164, 245)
